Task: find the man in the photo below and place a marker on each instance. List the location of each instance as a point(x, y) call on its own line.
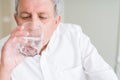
point(66, 54)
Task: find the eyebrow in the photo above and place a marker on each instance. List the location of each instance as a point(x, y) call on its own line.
point(24, 13)
point(28, 13)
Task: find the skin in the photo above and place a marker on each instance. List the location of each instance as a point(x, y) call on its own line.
point(40, 11)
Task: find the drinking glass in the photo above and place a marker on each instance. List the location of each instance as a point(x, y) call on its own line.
point(33, 42)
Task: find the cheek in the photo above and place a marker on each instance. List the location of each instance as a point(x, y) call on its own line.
point(20, 22)
point(48, 31)
point(49, 28)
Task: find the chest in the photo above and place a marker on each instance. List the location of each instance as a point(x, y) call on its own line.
point(62, 62)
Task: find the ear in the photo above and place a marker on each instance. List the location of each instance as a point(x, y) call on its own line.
point(16, 18)
point(58, 19)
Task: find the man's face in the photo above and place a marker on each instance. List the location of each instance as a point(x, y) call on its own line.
point(40, 11)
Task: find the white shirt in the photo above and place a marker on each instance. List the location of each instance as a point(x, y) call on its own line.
point(68, 56)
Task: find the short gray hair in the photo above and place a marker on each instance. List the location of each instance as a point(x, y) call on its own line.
point(58, 6)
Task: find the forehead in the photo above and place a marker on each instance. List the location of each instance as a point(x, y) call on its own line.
point(35, 5)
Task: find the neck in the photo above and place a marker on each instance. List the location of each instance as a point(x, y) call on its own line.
point(43, 48)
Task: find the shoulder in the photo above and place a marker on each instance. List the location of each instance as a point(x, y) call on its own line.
point(72, 30)
point(69, 27)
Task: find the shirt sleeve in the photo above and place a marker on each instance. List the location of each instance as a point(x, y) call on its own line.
point(94, 65)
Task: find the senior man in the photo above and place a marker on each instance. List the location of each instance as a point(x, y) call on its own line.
point(66, 54)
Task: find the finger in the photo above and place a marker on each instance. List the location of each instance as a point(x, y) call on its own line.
point(13, 43)
point(20, 34)
point(20, 40)
point(8, 43)
point(18, 28)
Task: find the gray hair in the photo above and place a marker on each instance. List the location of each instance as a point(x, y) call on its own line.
point(58, 6)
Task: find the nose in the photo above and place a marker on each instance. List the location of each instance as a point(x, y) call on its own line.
point(35, 19)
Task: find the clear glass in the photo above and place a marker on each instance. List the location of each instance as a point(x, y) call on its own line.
point(33, 42)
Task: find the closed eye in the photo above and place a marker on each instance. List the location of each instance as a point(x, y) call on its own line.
point(42, 17)
point(26, 17)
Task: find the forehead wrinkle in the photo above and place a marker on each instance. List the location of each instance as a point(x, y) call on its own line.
point(36, 5)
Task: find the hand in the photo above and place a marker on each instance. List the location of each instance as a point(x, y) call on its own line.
point(10, 56)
